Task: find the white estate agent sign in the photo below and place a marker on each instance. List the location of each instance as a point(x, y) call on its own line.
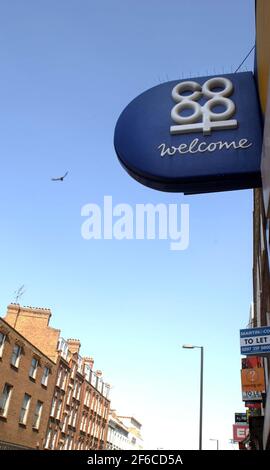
point(255, 341)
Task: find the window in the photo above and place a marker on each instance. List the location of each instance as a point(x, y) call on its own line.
point(5, 399)
point(24, 409)
point(54, 440)
point(59, 377)
point(65, 423)
point(63, 386)
point(2, 341)
point(93, 403)
point(89, 426)
point(48, 438)
point(33, 368)
point(37, 414)
point(78, 391)
point(75, 388)
point(53, 406)
point(62, 378)
point(73, 371)
point(66, 443)
point(69, 395)
point(70, 443)
point(84, 423)
point(93, 379)
point(16, 354)
point(80, 445)
point(45, 376)
point(87, 397)
point(74, 417)
point(58, 409)
point(83, 420)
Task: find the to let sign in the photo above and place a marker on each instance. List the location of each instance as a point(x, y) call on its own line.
point(255, 341)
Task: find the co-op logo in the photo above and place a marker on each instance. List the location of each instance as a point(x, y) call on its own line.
point(196, 135)
point(203, 118)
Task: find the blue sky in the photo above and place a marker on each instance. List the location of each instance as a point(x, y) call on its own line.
point(68, 68)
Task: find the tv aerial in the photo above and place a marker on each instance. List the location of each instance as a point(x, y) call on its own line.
point(19, 293)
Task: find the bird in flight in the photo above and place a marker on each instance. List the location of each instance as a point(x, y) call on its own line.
point(61, 178)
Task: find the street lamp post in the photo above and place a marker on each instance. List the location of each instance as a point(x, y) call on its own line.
point(189, 346)
point(216, 440)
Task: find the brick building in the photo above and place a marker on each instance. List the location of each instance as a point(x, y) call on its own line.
point(78, 398)
point(27, 379)
point(80, 405)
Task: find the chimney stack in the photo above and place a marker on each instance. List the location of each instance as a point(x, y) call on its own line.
point(89, 361)
point(74, 345)
point(33, 323)
point(18, 315)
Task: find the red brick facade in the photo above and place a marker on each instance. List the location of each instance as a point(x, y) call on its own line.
point(77, 405)
point(22, 378)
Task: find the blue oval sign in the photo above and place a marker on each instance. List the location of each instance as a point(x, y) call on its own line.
point(193, 136)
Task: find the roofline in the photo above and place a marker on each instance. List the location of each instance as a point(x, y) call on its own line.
point(25, 339)
point(130, 417)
